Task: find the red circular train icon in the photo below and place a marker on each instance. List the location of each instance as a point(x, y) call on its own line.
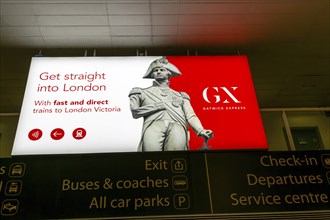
point(79, 133)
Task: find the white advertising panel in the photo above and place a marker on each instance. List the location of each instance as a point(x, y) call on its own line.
point(80, 105)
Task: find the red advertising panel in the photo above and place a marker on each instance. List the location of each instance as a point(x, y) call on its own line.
point(222, 94)
point(130, 104)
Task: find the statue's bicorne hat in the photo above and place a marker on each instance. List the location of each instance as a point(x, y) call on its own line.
point(162, 62)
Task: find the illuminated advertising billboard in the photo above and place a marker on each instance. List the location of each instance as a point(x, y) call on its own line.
point(131, 104)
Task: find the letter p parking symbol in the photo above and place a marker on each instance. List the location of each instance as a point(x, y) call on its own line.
point(181, 201)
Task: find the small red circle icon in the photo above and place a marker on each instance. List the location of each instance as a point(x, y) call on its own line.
point(79, 133)
point(57, 134)
point(35, 134)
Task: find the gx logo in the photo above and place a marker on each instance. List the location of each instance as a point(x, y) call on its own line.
point(220, 92)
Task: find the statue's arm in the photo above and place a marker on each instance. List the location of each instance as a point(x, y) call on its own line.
point(136, 107)
point(193, 120)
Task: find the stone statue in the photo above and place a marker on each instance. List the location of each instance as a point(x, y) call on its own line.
point(167, 113)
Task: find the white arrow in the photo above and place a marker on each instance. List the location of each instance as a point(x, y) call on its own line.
point(55, 133)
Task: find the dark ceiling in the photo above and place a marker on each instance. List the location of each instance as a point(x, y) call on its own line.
point(286, 41)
